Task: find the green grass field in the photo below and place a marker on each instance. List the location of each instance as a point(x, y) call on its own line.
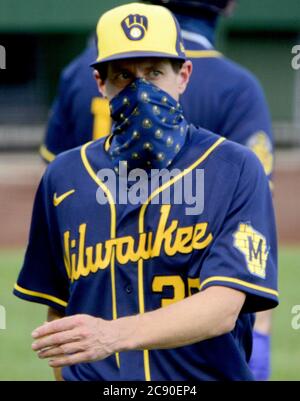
point(18, 362)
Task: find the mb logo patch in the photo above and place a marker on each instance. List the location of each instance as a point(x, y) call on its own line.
point(135, 26)
point(253, 245)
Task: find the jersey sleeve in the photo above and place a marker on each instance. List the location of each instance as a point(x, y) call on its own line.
point(43, 277)
point(250, 122)
point(243, 254)
point(58, 136)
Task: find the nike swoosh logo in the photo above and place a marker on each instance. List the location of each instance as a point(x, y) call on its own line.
point(58, 199)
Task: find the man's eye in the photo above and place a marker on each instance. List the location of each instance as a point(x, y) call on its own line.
point(155, 73)
point(123, 76)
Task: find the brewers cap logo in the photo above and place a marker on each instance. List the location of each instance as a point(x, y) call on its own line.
point(138, 30)
point(135, 26)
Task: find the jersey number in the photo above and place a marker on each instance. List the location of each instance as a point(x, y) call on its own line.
point(178, 285)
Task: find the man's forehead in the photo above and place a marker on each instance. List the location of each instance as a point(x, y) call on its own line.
point(137, 62)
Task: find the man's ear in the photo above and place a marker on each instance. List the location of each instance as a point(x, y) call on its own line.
point(184, 76)
point(100, 83)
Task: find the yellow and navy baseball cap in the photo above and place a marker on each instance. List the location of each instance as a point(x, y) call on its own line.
point(138, 30)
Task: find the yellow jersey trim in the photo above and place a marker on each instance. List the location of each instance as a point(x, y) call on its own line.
point(46, 154)
point(40, 295)
point(58, 199)
point(185, 172)
point(239, 282)
point(112, 228)
point(141, 230)
point(107, 143)
point(203, 54)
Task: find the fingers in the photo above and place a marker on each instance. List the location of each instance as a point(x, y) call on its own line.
point(67, 360)
point(56, 339)
point(71, 340)
point(62, 350)
point(66, 323)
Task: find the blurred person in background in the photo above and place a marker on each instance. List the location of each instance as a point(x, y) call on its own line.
point(222, 97)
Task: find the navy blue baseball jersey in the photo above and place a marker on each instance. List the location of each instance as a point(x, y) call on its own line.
point(112, 260)
point(222, 97)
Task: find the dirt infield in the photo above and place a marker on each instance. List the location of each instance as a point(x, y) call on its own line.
point(20, 174)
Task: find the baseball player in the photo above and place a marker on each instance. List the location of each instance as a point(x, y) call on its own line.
point(149, 291)
point(222, 97)
point(227, 99)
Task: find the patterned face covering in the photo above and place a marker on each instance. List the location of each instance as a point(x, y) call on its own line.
point(148, 127)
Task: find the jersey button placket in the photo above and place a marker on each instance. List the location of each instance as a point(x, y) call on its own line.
point(128, 289)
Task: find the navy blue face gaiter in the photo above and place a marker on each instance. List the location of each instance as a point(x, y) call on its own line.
point(148, 129)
